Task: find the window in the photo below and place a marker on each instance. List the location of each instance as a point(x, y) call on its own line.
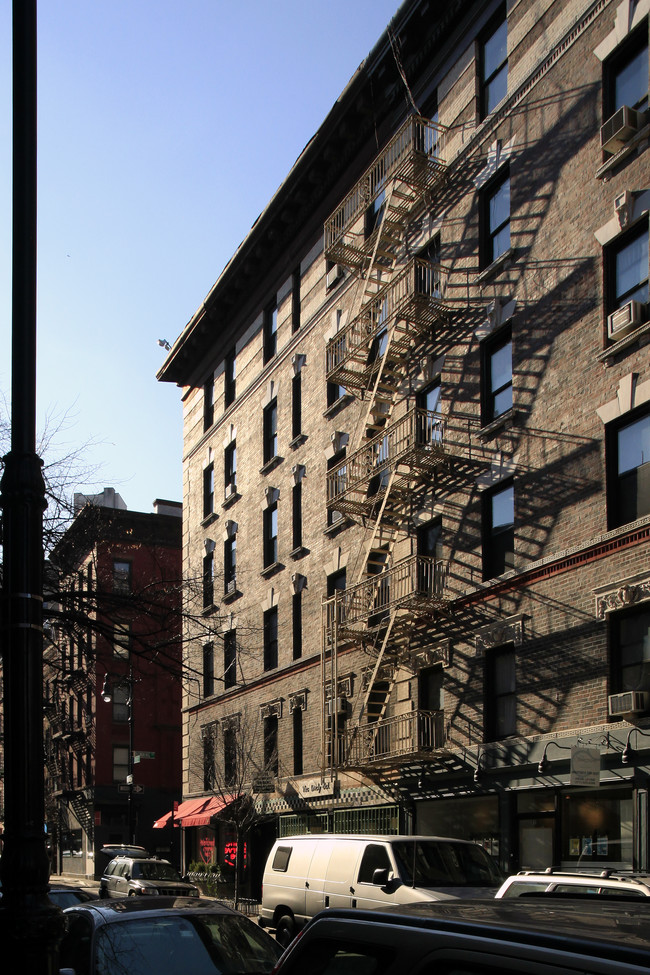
point(295, 300)
point(271, 638)
point(121, 702)
point(335, 392)
point(336, 483)
point(230, 564)
point(208, 579)
point(297, 741)
point(498, 531)
point(625, 80)
point(208, 491)
point(121, 640)
point(296, 405)
point(230, 754)
point(230, 378)
point(428, 279)
point(628, 460)
point(208, 403)
point(230, 659)
point(626, 264)
point(208, 670)
point(495, 219)
point(429, 421)
point(429, 547)
point(230, 469)
point(296, 612)
point(120, 763)
point(500, 694)
point(271, 535)
point(271, 744)
point(296, 505)
point(121, 577)
point(270, 331)
point(208, 758)
point(494, 64)
point(496, 374)
point(630, 640)
point(375, 211)
point(270, 431)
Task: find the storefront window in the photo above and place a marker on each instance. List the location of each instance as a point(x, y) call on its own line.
point(467, 819)
point(597, 829)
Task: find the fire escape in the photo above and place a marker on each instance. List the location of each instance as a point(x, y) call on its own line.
point(398, 301)
point(69, 746)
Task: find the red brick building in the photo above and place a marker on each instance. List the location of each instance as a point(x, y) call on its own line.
point(115, 630)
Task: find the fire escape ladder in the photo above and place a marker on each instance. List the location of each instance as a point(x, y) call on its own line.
point(81, 807)
point(375, 700)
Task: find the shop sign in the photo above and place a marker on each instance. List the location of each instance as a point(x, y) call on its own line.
point(315, 788)
point(206, 847)
point(230, 853)
point(585, 766)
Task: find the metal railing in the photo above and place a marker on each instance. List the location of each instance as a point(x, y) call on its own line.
point(418, 579)
point(417, 438)
point(415, 154)
point(401, 736)
point(416, 294)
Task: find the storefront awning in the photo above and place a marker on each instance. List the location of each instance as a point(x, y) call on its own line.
point(193, 812)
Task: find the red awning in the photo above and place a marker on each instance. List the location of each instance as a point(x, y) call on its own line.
point(193, 812)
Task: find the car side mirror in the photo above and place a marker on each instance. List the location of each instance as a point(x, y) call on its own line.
point(381, 877)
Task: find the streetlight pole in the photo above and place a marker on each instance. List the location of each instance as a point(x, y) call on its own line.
point(30, 926)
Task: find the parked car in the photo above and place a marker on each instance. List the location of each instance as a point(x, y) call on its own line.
point(126, 876)
point(168, 936)
point(305, 874)
point(64, 896)
point(544, 935)
point(563, 882)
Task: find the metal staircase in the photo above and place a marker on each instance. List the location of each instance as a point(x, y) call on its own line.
point(396, 302)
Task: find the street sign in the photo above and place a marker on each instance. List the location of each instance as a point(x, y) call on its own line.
point(137, 756)
point(127, 788)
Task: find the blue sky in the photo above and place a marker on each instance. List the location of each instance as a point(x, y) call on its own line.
point(164, 129)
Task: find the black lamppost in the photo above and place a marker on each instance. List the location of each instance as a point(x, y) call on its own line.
point(30, 926)
point(110, 682)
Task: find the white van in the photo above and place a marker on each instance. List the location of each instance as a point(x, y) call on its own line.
point(305, 874)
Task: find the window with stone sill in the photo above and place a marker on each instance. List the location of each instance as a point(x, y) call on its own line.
point(270, 529)
point(208, 669)
point(625, 74)
point(271, 638)
point(270, 331)
point(626, 268)
point(500, 703)
point(494, 219)
point(496, 375)
point(230, 469)
point(230, 659)
point(629, 640)
point(628, 468)
point(270, 431)
point(498, 530)
point(493, 63)
point(208, 491)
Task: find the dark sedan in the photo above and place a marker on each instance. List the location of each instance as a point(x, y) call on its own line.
point(174, 936)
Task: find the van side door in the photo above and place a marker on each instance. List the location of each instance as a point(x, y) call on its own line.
point(340, 880)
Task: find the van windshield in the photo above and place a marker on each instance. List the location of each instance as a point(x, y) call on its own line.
point(425, 863)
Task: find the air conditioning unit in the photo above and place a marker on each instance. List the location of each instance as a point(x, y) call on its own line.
point(625, 319)
point(620, 128)
point(630, 702)
point(231, 587)
point(334, 274)
point(339, 703)
point(231, 491)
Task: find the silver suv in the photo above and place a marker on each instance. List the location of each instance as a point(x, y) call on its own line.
point(562, 882)
point(126, 876)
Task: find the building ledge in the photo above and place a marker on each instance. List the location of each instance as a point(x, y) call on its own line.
point(609, 354)
point(492, 270)
point(270, 570)
point(271, 464)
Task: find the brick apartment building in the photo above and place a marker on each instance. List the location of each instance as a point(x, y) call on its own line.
point(118, 587)
point(417, 450)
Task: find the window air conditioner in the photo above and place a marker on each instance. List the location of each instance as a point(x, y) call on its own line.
point(230, 491)
point(334, 274)
point(625, 319)
point(620, 128)
point(630, 702)
point(340, 703)
point(231, 587)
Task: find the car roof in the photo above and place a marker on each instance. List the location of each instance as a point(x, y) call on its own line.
point(119, 909)
point(112, 850)
point(603, 878)
point(571, 924)
point(372, 838)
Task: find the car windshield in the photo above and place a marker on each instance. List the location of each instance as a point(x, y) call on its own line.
point(424, 863)
point(201, 944)
point(154, 870)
